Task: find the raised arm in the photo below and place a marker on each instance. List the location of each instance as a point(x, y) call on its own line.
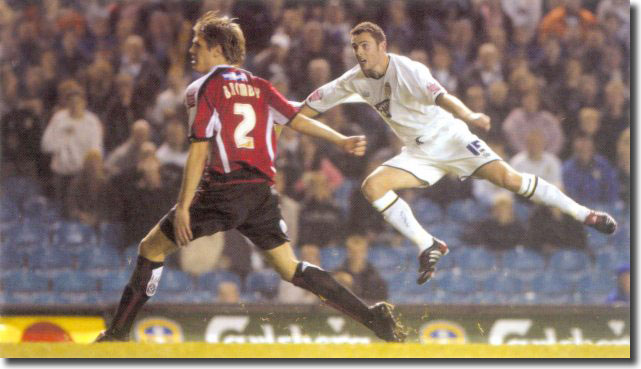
point(455, 106)
point(354, 145)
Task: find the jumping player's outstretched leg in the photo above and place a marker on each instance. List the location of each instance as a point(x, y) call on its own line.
point(379, 317)
point(153, 250)
point(541, 192)
point(378, 188)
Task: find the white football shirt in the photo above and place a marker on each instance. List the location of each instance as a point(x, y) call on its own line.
point(404, 97)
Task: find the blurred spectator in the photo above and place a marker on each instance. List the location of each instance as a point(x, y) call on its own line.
point(420, 56)
point(90, 194)
point(497, 108)
point(549, 230)
point(349, 165)
point(70, 58)
point(475, 98)
point(320, 218)
point(621, 295)
point(615, 115)
point(615, 14)
point(502, 231)
point(623, 167)
point(21, 130)
point(124, 156)
point(568, 17)
point(535, 160)
point(529, 117)
point(487, 69)
point(123, 109)
point(441, 68)
point(142, 194)
point(550, 66)
point(146, 74)
point(70, 134)
point(290, 294)
point(228, 293)
point(100, 85)
point(318, 73)
point(272, 60)
point(461, 38)
point(398, 30)
point(590, 125)
point(175, 149)
point(523, 13)
point(367, 282)
point(587, 176)
point(169, 101)
point(336, 26)
point(9, 88)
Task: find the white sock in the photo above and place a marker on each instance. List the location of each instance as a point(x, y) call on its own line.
point(397, 213)
point(541, 192)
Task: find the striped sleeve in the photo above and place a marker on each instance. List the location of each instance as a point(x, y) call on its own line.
point(204, 120)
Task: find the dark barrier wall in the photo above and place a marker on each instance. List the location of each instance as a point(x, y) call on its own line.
point(427, 324)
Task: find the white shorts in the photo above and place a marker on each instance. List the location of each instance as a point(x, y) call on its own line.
point(456, 151)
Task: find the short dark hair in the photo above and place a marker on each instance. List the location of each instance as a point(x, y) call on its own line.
point(372, 29)
point(224, 32)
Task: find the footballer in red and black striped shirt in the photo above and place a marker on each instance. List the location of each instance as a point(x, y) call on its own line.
point(228, 177)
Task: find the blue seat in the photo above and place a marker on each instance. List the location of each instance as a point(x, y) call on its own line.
point(597, 239)
point(52, 259)
point(551, 284)
point(13, 257)
point(130, 255)
point(522, 211)
point(621, 237)
point(524, 298)
point(449, 231)
point(115, 281)
point(30, 233)
point(457, 283)
point(176, 281)
point(343, 194)
point(607, 258)
point(467, 211)
point(79, 298)
point(597, 283)
point(504, 283)
point(263, 283)
point(209, 281)
point(523, 260)
point(19, 187)
point(332, 257)
point(111, 234)
point(74, 281)
point(386, 258)
point(9, 211)
point(99, 257)
point(476, 259)
point(25, 281)
point(569, 261)
point(427, 211)
point(35, 206)
point(73, 233)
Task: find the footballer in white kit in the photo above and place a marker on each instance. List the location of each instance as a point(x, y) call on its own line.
point(433, 126)
point(435, 141)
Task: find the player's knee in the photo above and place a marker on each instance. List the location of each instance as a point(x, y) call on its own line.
point(372, 188)
point(149, 249)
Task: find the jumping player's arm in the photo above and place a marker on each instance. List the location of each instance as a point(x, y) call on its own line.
point(198, 151)
point(354, 145)
point(455, 106)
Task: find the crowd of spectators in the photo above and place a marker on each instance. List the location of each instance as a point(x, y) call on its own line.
point(91, 104)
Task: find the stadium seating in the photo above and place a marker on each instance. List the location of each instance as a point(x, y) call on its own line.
point(332, 257)
point(476, 260)
point(209, 281)
point(262, 283)
point(466, 211)
point(551, 284)
point(569, 261)
point(522, 211)
point(29, 233)
point(25, 281)
point(426, 211)
point(114, 282)
point(74, 281)
point(73, 233)
point(99, 257)
point(111, 234)
point(504, 283)
point(51, 259)
point(527, 262)
point(387, 258)
point(176, 281)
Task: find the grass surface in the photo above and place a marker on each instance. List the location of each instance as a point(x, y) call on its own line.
point(376, 350)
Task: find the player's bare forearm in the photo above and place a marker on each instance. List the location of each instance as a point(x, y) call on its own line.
point(308, 112)
point(354, 144)
point(312, 127)
point(193, 171)
point(455, 106)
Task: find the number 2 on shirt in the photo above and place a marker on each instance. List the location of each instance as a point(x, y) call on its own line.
point(245, 126)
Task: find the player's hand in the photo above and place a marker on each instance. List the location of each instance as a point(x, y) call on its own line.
point(480, 121)
point(354, 145)
point(182, 228)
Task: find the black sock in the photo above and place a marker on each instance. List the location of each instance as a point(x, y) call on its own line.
point(141, 286)
point(322, 284)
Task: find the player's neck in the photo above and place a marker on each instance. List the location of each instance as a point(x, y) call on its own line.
point(380, 70)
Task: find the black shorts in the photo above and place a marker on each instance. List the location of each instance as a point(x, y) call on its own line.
point(251, 208)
